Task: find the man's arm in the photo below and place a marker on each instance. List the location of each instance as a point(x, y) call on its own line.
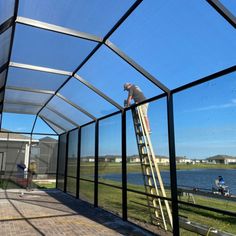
point(129, 100)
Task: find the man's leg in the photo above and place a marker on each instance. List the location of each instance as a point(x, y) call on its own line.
point(29, 181)
point(147, 123)
point(144, 110)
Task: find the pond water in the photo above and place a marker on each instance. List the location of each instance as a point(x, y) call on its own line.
point(195, 178)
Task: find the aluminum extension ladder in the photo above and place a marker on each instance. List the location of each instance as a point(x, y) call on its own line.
point(151, 173)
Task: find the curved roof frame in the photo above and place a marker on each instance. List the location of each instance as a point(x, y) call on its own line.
point(15, 19)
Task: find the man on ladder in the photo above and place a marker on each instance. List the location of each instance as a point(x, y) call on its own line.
point(159, 209)
point(135, 93)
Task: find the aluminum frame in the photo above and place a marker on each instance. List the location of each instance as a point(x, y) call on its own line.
point(7, 24)
point(61, 72)
point(39, 68)
point(76, 106)
point(136, 66)
point(216, 4)
point(57, 29)
point(119, 22)
point(223, 11)
point(58, 126)
point(4, 67)
point(62, 116)
point(30, 90)
point(97, 91)
point(24, 103)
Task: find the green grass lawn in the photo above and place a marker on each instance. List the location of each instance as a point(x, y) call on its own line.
point(107, 167)
point(8, 184)
point(111, 199)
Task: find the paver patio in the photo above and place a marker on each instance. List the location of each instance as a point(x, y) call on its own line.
point(55, 213)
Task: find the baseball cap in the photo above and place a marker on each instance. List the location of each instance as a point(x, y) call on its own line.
point(126, 85)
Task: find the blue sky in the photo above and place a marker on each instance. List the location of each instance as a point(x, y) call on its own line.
point(176, 41)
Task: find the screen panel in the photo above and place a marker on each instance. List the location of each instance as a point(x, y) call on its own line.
point(72, 153)
point(189, 40)
point(62, 154)
point(107, 72)
point(78, 93)
point(16, 96)
point(42, 127)
point(5, 41)
point(51, 116)
point(6, 9)
point(34, 79)
point(87, 163)
point(44, 152)
point(54, 127)
point(21, 109)
point(2, 78)
point(96, 17)
point(68, 110)
point(109, 162)
point(49, 49)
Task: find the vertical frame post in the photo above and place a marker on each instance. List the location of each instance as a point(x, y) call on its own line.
point(66, 162)
point(78, 163)
point(173, 177)
point(96, 164)
point(124, 166)
point(58, 150)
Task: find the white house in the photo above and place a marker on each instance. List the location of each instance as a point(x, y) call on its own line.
point(222, 159)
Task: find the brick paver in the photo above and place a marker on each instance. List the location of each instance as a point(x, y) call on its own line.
point(56, 213)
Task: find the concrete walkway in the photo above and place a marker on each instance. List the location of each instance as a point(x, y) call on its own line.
point(55, 213)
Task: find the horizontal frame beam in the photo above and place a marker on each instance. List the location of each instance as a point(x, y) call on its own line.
point(18, 112)
point(62, 116)
point(39, 68)
point(23, 103)
point(223, 11)
point(45, 119)
point(11, 132)
point(205, 79)
point(57, 29)
point(97, 91)
point(136, 66)
point(76, 106)
point(30, 90)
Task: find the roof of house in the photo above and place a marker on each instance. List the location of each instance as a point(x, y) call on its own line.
point(220, 157)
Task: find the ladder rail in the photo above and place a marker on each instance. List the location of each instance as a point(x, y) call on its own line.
point(148, 140)
point(144, 128)
point(138, 138)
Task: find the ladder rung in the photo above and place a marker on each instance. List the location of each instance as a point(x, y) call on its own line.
point(147, 165)
point(143, 144)
point(139, 133)
point(148, 175)
point(144, 155)
point(150, 186)
point(158, 220)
